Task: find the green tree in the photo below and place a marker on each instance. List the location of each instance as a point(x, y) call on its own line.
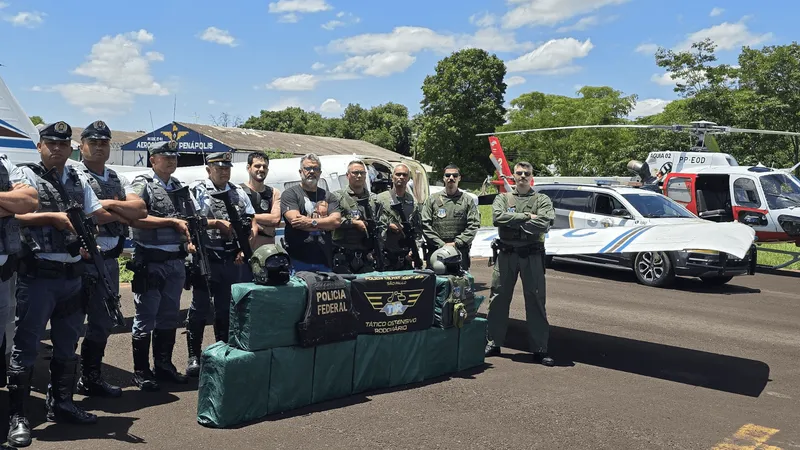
point(36, 120)
point(463, 98)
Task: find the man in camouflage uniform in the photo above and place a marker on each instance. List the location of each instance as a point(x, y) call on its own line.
point(522, 218)
point(117, 197)
point(398, 256)
point(353, 248)
point(450, 218)
point(227, 262)
point(161, 244)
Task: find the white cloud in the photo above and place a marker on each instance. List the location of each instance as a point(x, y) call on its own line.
point(298, 82)
point(580, 25)
point(483, 19)
point(120, 72)
point(401, 39)
point(332, 24)
point(26, 19)
point(290, 102)
point(515, 80)
point(726, 36)
point(550, 12)
point(3, 5)
point(347, 19)
point(212, 102)
point(290, 9)
point(648, 107)
point(647, 49)
point(330, 105)
point(494, 40)
point(317, 66)
point(665, 79)
point(222, 37)
point(553, 57)
point(378, 64)
point(715, 12)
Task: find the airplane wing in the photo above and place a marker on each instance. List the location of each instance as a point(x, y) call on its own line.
point(733, 238)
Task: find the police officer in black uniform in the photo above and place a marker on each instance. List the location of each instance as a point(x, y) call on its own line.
point(161, 244)
point(354, 251)
point(226, 260)
point(266, 200)
point(118, 198)
point(49, 285)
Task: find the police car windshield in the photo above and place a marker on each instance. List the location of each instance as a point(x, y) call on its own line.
point(781, 190)
point(656, 206)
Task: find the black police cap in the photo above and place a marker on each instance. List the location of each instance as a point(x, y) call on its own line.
point(57, 131)
point(220, 159)
point(97, 130)
point(166, 148)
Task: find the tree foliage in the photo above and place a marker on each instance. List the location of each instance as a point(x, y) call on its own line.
point(463, 98)
point(36, 120)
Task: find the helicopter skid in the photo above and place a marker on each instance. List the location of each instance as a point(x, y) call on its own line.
point(795, 258)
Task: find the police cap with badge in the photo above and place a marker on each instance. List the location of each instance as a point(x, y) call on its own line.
point(57, 131)
point(221, 159)
point(97, 130)
point(165, 148)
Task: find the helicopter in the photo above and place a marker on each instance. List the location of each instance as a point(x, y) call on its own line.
point(709, 183)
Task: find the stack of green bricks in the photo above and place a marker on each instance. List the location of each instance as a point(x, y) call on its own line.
point(263, 370)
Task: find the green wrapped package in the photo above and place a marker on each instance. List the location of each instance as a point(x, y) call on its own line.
point(441, 352)
point(291, 378)
point(233, 386)
point(408, 357)
point(373, 364)
point(471, 344)
point(264, 317)
point(333, 371)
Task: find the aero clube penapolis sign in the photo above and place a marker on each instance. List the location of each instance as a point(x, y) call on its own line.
point(394, 303)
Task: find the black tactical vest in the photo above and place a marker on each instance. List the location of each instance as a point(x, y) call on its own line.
point(219, 212)
point(162, 204)
point(10, 241)
point(262, 201)
point(353, 238)
point(329, 313)
point(105, 190)
point(47, 239)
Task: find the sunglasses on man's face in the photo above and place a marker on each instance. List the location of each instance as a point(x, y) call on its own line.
point(523, 173)
point(451, 175)
point(358, 173)
point(311, 169)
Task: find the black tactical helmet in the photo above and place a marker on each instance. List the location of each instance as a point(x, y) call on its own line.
point(271, 265)
point(446, 260)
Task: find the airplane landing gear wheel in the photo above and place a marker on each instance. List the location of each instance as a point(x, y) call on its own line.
point(653, 269)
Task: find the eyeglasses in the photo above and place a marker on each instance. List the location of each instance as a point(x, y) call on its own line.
point(451, 175)
point(358, 173)
point(401, 174)
point(312, 169)
point(522, 173)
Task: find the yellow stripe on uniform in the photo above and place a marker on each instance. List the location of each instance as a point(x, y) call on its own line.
point(749, 437)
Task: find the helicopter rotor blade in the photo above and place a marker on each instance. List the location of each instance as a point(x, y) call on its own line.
point(715, 129)
point(747, 130)
point(574, 127)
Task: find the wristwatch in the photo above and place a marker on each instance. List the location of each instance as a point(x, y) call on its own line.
point(314, 223)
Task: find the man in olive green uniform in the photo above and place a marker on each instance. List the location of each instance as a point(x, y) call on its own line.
point(398, 251)
point(353, 250)
point(450, 217)
point(522, 218)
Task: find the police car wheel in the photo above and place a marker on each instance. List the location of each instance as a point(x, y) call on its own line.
point(653, 269)
point(716, 281)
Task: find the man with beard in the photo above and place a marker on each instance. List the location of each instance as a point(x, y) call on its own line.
point(49, 285)
point(353, 249)
point(310, 214)
point(450, 217)
point(225, 258)
point(118, 198)
point(266, 200)
point(399, 256)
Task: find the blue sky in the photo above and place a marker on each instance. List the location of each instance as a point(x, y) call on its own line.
point(85, 60)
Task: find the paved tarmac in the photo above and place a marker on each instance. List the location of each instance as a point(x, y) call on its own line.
point(691, 367)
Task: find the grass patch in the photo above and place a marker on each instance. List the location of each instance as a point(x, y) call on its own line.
point(486, 215)
point(125, 275)
point(773, 259)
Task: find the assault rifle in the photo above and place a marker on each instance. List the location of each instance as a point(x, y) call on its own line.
point(239, 225)
point(372, 229)
point(197, 224)
point(410, 239)
point(84, 227)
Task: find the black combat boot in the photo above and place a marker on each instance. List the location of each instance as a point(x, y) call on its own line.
point(221, 329)
point(163, 344)
point(91, 381)
point(19, 389)
point(142, 375)
point(543, 359)
point(59, 395)
point(194, 340)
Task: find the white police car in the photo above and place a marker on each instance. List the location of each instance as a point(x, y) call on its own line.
point(590, 206)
